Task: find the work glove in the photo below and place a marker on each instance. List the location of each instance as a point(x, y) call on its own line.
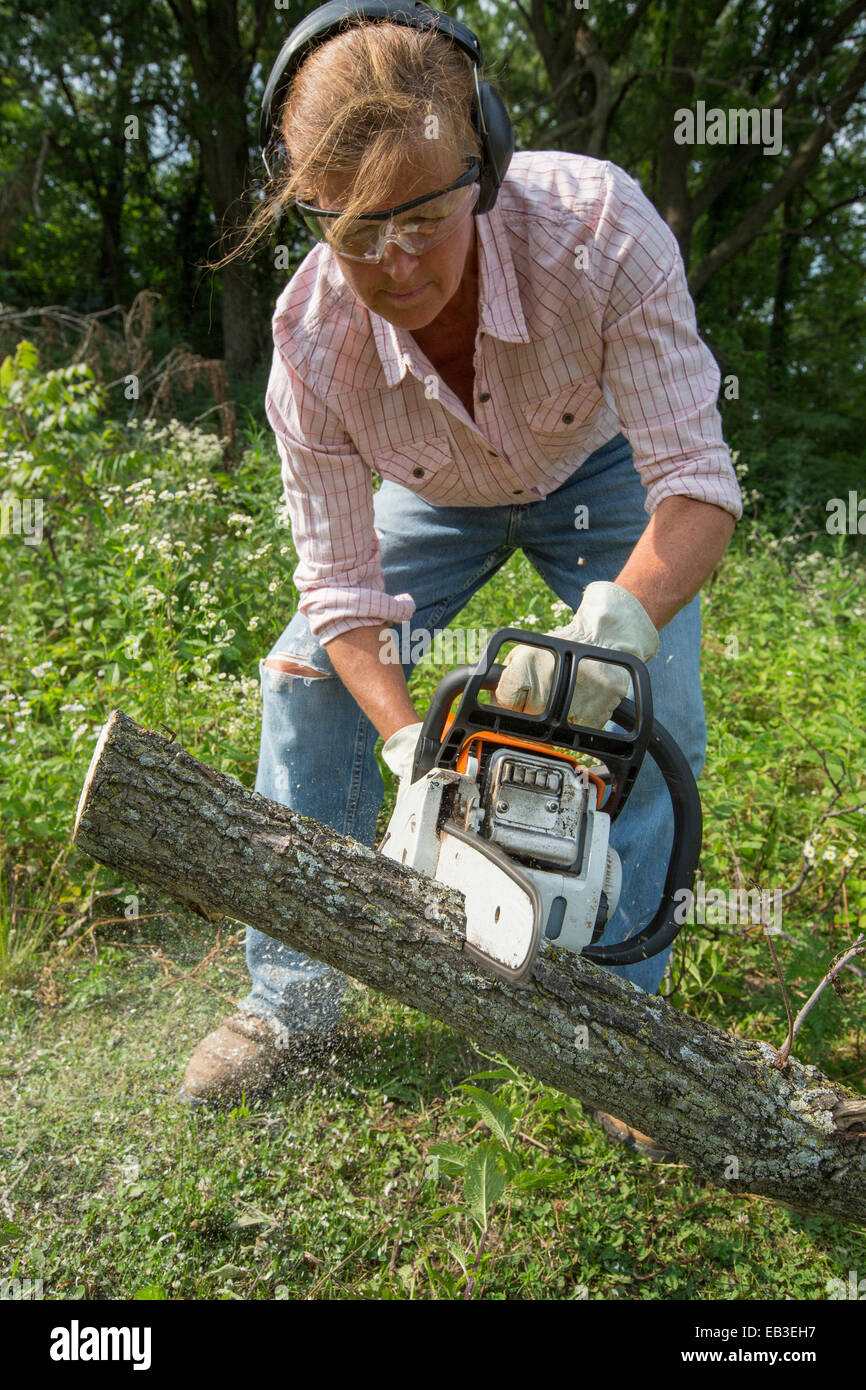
point(609, 616)
point(398, 753)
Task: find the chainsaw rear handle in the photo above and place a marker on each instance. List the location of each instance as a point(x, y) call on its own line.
point(433, 751)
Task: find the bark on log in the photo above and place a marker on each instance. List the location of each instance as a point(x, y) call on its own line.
point(163, 818)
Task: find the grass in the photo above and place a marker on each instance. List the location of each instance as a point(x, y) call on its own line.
point(328, 1190)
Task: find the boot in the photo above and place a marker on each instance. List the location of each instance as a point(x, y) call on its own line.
point(247, 1055)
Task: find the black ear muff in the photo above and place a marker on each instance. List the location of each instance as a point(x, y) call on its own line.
point(498, 145)
point(489, 112)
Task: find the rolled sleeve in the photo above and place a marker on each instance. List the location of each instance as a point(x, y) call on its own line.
point(663, 378)
point(329, 495)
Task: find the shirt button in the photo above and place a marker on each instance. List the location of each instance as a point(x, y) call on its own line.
point(417, 472)
point(567, 419)
point(485, 396)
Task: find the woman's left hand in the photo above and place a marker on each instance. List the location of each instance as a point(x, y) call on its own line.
point(610, 617)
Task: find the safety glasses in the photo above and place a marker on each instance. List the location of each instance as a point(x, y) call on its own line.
point(413, 231)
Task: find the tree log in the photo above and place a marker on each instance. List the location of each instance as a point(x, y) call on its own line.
point(722, 1103)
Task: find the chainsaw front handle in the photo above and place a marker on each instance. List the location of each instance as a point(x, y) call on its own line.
point(622, 753)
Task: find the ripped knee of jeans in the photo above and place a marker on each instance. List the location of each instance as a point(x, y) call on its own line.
point(293, 666)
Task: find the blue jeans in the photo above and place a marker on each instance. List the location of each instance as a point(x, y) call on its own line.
point(317, 747)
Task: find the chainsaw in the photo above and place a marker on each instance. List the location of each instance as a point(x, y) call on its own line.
point(500, 808)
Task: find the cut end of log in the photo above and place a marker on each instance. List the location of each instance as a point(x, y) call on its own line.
point(97, 754)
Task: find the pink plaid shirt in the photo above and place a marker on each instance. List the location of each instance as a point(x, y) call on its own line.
point(586, 328)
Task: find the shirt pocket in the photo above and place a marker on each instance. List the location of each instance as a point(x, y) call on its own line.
point(559, 417)
point(416, 462)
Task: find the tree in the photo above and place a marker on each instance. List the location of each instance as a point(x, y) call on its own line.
point(83, 79)
point(222, 49)
point(810, 68)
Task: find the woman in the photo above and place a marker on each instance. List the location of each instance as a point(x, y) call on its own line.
point(484, 350)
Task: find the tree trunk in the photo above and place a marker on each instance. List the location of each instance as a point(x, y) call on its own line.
point(777, 341)
point(222, 51)
point(159, 816)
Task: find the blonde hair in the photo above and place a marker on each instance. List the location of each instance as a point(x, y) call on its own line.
point(358, 107)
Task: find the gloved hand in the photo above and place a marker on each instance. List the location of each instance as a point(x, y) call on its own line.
point(609, 616)
point(398, 753)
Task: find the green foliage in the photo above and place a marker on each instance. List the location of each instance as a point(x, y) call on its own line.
point(487, 1171)
point(108, 190)
point(155, 586)
point(44, 410)
point(326, 1192)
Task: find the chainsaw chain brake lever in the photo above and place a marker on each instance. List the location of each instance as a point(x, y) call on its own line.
point(622, 753)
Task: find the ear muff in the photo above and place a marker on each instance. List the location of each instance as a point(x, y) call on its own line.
point(489, 114)
point(498, 145)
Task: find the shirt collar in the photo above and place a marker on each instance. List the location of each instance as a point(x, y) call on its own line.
point(500, 312)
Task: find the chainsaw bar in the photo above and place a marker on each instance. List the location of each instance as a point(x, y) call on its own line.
point(503, 906)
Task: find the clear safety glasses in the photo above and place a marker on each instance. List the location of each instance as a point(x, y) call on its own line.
point(437, 216)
